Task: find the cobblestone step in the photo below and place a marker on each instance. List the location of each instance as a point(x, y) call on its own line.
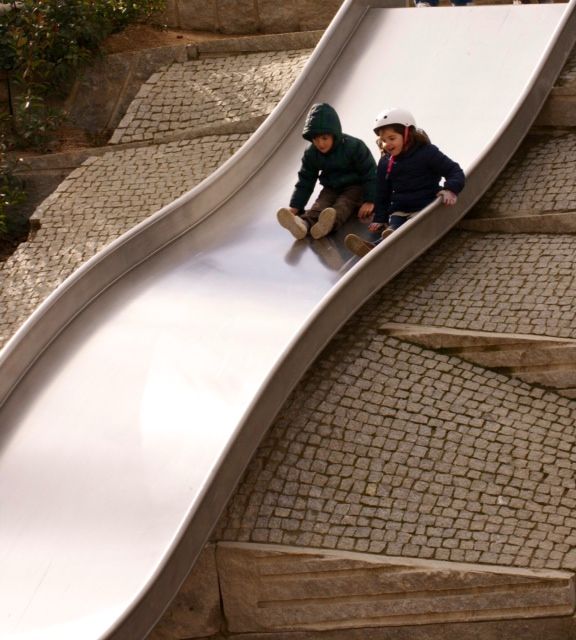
point(560, 108)
point(535, 193)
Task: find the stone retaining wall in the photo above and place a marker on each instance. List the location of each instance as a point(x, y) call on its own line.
point(250, 16)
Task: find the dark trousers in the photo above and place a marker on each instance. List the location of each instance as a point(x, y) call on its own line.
point(346, 202)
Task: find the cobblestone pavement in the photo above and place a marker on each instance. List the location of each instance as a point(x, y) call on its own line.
point(389, 448)
point(539, 179)
point(98, 202)
point(490, 282)
point(201, 92)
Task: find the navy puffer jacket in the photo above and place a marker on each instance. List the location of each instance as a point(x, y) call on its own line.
point(414, 180)
point(348, 163)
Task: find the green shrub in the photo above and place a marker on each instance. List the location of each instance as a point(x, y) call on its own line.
point(43, 43)
point(11, 192)
point(33, 122)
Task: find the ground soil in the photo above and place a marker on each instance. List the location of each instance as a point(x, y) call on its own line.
point(144, 36)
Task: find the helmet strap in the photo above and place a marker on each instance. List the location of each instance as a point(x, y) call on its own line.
point(390, 165)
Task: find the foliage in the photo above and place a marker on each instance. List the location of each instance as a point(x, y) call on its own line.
point(11, 191)
point(34, 122)
point(43, 43)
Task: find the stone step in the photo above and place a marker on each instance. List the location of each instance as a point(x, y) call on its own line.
point(560, 108)
point(275, 590)
point(545, 361)
point(543, 222)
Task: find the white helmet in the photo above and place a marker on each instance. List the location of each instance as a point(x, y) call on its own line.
point(394, 116)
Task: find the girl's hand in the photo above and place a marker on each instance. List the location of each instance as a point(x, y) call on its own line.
point(375, 227)
point(448, 197)
point(366, 210)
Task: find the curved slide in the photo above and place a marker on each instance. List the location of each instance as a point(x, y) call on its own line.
point(134, 397)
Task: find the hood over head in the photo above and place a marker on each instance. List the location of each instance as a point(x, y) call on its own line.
point(322, 118)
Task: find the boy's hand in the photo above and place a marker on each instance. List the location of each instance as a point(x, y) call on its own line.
point(448, 197)
point(366, 210)
point(376, 227)
point(294, 210)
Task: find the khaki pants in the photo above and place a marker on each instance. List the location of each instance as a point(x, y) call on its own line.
point(345, 202)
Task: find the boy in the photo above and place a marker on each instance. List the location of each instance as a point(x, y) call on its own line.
point(346, 170)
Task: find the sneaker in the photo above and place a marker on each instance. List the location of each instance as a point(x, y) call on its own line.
point(422, 4)
point(325, 223)
point(297, 227)
point(386, 232)
point(357, 245)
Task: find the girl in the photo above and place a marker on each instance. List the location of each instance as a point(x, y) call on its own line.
point(408, 176)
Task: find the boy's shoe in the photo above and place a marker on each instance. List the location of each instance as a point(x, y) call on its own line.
point(357, 245)
point(297, 227)
point(325, 223)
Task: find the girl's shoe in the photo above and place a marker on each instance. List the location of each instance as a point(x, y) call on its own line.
point(357, 245)
point(297, 227)
point(325, 223)
point(386, 232)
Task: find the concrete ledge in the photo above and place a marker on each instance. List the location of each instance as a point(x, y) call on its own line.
point(562, 222)
point(537, 629)
point(546, 361)
point(254, 44)
point(559, 110)
point(72, 159)
point(292, 593)
point(266, 588)
point(195, 612)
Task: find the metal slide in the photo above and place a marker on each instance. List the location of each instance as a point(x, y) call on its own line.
point(134, 397)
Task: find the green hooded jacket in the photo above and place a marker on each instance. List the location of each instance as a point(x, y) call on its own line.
point(349, 161)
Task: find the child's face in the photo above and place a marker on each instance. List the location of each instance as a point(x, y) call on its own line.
point(393, 142)
point(323, 142)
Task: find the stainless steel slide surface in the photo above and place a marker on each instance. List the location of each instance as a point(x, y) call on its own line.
point(134, 397)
